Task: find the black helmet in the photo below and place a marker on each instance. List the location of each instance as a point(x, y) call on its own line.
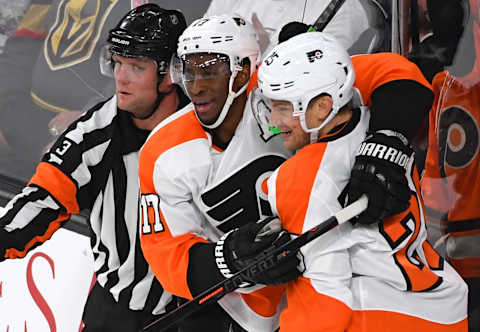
point(148, 31)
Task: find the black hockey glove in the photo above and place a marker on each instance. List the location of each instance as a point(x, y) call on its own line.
point(242, 246)
point(380, 173)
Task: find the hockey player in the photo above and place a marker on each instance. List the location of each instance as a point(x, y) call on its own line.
point(449, 184)
point(94, 165)
point(399, 282)
point(201, 174)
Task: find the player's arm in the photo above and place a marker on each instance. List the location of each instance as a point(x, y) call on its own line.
point(174, 231)
point(395, 90)
point(60, 187)
point(29, 219)
point(399, 98)
point(48, 200)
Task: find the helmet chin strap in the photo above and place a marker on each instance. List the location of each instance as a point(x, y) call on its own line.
point(314, 132)
point(314, 136)
point(230, 98)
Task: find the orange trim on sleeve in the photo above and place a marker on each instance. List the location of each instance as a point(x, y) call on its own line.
point(310, 311)
point(54, 225)
point(168, 256)
point(374, 70)
point(386, 321)
point(294, 183)
point(265, 301)
point(58, 185)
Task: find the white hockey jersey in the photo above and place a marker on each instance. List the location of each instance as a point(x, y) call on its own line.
point(202, 192)
point(381, 277)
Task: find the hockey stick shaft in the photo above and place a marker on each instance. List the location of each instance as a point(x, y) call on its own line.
point(262, 264)
point(327, 15)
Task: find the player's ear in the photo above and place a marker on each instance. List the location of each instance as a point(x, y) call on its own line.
point(243, 76)
point(321, 106)
point(325, 104)
point(318, 109)
point(166, 81)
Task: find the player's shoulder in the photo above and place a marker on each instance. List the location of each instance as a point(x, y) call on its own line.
point(385, 64)
point(178, 136)
point(380, 59)
point(183, 119)
point(180, 127)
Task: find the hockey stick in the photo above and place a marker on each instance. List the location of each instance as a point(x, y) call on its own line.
point(266, 261)
point(327, 15)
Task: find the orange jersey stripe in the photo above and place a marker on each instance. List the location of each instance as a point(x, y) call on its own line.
point(386, 321)
point(309, 311)
point(52, 228)
point(265, 300)
point(58, 185)
point(167, 256)
point(374, 70)
point(293, 180)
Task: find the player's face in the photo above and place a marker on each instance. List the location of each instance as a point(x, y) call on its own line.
point(206, 77)
point(294, 137)
point(136, 84)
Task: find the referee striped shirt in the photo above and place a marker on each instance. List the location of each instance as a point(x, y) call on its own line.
point(94, 166)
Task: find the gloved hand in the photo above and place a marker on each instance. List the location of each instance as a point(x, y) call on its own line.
point(380, 173)
point(242, 246)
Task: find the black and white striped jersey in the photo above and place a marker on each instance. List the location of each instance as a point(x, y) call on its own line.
point(94, 166)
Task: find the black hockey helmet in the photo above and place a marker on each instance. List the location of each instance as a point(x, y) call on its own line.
point(150, 32)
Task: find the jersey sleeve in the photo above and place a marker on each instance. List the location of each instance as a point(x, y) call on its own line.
point(173, 166)
point(53, 193)
point(32, 217)
point(50, 197)
point(394, 89)
point(375, 70)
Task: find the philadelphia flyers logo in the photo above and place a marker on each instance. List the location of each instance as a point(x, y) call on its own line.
point(241, 198)
point(76, 30)
point(458, 138)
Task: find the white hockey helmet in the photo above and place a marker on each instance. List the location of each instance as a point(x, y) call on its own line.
point(228, 36)
point(304, 67)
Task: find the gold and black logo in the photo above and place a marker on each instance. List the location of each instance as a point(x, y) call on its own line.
point(76, 30)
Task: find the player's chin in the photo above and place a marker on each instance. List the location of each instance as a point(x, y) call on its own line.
point(206, 118)
point(291, 144)
point(123, 102)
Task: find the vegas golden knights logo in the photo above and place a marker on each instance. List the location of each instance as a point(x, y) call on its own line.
point(76, 30)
